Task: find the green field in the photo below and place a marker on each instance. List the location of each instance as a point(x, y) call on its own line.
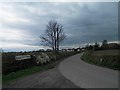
point(104, 58)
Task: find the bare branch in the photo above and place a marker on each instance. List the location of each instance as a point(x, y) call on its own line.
point(54, 35)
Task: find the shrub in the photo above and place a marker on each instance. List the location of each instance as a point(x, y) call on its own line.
point(110, 61)
point(9, 64)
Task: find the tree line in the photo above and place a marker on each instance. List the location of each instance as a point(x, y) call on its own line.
point(105, 45)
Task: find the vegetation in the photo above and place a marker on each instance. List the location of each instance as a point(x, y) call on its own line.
point(54, 35)
point(33, 69)
point(105, 46)
point(105, 58)
point(22, 73)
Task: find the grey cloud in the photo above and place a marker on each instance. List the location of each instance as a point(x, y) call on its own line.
point(83, 22)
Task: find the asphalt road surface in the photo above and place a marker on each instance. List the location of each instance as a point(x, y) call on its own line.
point(86, 75)
point(47, 79)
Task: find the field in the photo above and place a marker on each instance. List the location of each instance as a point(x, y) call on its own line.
point(105, 58)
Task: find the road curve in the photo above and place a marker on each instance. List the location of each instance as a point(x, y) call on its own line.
point(86, 75)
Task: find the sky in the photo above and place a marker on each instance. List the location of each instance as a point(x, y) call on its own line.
point(22, 23)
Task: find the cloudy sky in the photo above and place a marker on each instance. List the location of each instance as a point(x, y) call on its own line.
point(21, 24)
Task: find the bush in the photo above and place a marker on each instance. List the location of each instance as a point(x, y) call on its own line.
point(9, 64)
point(110, 61)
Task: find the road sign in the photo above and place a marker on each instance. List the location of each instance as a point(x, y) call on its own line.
point(22, 57)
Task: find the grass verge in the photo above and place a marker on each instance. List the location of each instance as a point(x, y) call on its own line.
point(105, 58)
point(22, 73)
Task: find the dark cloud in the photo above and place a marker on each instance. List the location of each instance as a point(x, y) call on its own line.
point(82, 22)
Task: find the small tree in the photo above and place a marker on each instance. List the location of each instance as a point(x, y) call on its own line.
point(96, 46)
point(54, 35)
point(90, 47)
point(104, 44)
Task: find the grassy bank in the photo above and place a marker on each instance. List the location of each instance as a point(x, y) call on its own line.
point(104, 58)
point(22, 73)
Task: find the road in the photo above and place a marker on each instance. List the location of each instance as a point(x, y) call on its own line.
point(47, 79)
point(86, 75)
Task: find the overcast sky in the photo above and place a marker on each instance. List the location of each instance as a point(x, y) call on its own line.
point(21, 24)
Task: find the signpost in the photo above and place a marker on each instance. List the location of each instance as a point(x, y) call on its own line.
point(22, 57)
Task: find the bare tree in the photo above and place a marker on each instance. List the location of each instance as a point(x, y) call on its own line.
point(54, 35)
point(104, 42)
